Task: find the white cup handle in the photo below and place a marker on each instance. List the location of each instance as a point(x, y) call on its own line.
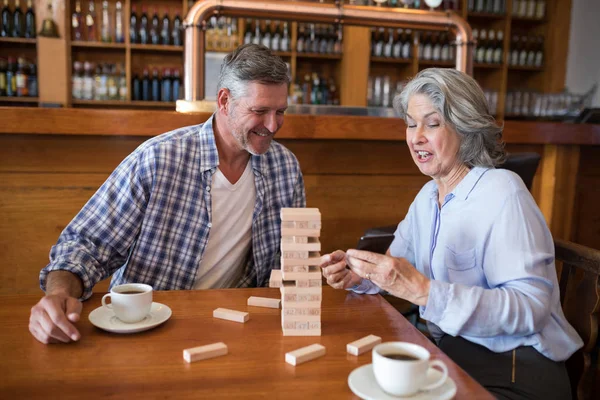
point(439, 382)
point(104, 303)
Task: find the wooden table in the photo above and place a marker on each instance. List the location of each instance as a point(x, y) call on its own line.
point(150, 364)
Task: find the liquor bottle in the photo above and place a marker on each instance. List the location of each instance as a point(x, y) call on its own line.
point(176, 85)
point(276, 40)
point(32, 82)
point(248, 34)
point(77, 23)
point(112, 87)
point(540, 9)
point(481, 47)
point(389, 44)
point(300, 42)
point(154, 28)
point(266, 38)
point(88, 81)
point(523, 51)
point(397, 48)
point(122, 83)
point(210, 33)
point(6, 21)
point(539, 55)
point(406, 46)
point(445, 50)
point(491, 46)
point(530, 13)
point(165, 33)
point(323, 39)
point(498, 51)
point(144, 26)
point(314, 41)
point(90, 22)
point(306, 89)
point(471, 5)
point(2, 77)
point(77, 81)
point(29, 21)
point(119, 29)
point(480, 6)
point(379, 43)
point(339, 41)
point(532, 51)
point(146, 96)
point(436, 52)
point(234, 38)
point(514, 50)
point(18, 23)
point(498, 6)
point(136, 89)
point(105, 35)
point(427, 47)
point(21, 78)
point(11, 81)
point(133, 25)
point(257, 38)
point(315, 94)
point(155, 86)
point(166, 90)
point(285, 38)
point(176, 34)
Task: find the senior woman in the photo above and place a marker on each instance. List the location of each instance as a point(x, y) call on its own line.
point(473, 251)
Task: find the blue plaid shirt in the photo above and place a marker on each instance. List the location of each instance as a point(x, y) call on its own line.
point(150, 221)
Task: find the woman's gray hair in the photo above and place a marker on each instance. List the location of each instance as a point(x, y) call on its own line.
point(251, 63)
point(460, 101)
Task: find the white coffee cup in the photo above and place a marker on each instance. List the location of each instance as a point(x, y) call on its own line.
point(405, 377)
point(130, 302)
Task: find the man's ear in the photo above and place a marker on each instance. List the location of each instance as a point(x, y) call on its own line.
point(223, 101)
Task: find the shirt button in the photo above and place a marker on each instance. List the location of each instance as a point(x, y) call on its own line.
point(210, 225)
point(208, 189)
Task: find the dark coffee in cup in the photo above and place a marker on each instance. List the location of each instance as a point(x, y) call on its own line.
point(402, 357)
point(131, 292)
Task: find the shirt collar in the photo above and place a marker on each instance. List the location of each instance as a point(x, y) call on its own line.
point(209, 148)
point(465, 186)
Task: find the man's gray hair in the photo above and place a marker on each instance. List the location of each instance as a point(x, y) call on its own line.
point(460, 101)
point(251, 63)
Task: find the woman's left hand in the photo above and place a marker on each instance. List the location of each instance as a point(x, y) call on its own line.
point(394, 275)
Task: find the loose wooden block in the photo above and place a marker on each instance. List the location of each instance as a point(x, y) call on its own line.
point(205, 352)
point(305, 354)
point(301, 332)
point(231, 315)
point(275, 278)
point(263, 302)
point(362, 345)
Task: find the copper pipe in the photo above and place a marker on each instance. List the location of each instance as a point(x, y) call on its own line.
point(194, 25)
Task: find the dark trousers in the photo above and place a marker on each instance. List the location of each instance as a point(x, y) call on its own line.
point(535, 376)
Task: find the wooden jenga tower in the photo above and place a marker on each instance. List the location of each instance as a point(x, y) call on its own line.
point(300, 277)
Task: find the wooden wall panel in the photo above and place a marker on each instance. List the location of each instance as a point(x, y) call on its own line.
point(586, 218)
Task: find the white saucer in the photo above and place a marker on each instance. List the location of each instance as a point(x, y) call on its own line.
point(105, 319)
point(362, 383)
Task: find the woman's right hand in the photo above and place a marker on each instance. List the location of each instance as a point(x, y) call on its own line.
point(335, 270)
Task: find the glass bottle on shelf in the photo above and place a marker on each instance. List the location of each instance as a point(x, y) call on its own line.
point(176, 33)
point(531, 5)
point(165, 33)
point(491, 46)
point(144, 26)
point(133, 28)
point(523, 51)
point(122, 83)
point(77, 81)
point(166, 90)
point(276, 40)
point(539, 55)
point(2, 77)
point(87, 92)
point(146, 96)
point(378, 51)
point(498, 51)
point(11, 80)
point(445, 49)
point(90, 22)
point(105, 35)
point(32, 82)
point(314, 42)
point(480, 6)
point(266, 38)
point(436, 51)
point(248, 34)
point(406, 47)
point(154, 28)
point(99, 84)
point(21, 78)
point(18, 24)
point(322, 39)
point(256, 39)
point(176, 84)
point(119, 29)
point(540, 9)
point(300, 41)
point(481, 47)
point(30, 21)
point(339, 42)
point(77, 23)
point(155, 85)
point(6, 21)
point(514, 50)
point(389, 44)
point(427, 46)
point(285, 38)
point(532, 51)
point(112, 88)
point(397, 48)
point(136, 88)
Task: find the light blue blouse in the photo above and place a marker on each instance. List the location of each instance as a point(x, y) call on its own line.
point(490, 257)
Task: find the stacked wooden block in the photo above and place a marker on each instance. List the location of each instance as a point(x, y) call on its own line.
point(300, 276)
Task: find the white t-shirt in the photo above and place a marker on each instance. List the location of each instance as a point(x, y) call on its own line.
point(230, 236)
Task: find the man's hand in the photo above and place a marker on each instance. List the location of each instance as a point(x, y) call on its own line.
point(52, 318)
point(335, 271)
point(394, 275)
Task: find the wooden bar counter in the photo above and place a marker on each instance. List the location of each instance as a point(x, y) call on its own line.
point(357, 171)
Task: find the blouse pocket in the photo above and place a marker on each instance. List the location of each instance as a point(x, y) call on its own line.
point(460, 261)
